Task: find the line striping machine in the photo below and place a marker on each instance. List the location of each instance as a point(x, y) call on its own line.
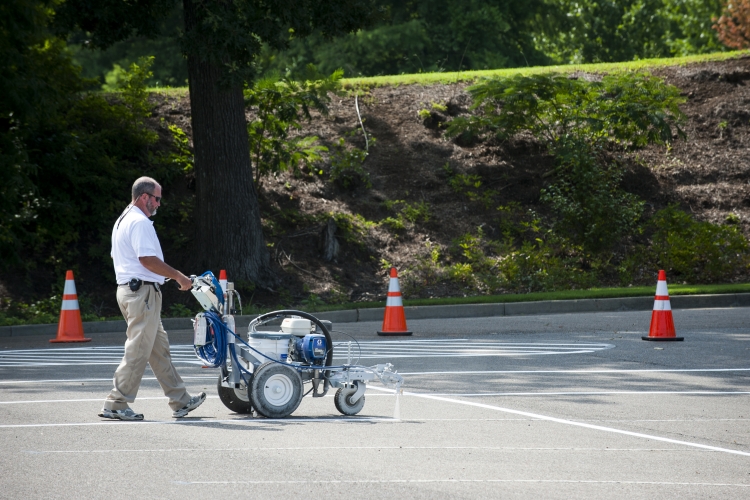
point(283, 351)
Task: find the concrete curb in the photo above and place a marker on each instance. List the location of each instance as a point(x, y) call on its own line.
point(437, 312)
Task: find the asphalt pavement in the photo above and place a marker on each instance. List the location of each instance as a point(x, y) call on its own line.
point(552, 406)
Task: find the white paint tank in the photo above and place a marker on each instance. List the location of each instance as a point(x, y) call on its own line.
point(275, 345)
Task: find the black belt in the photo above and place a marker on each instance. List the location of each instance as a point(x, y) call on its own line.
point(135, 284)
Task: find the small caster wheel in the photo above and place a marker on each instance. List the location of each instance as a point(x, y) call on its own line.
point(343, 401)
point(276, 390)
point(236, 399)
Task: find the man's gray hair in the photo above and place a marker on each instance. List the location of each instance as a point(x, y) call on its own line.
point(143, 185)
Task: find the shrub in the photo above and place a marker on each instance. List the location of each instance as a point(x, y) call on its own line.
point(352, 227)
point(484, 265)
point(697, 251)
point(347, 168)
point(577, 120)
point(280, 106)
point(469, 185)
point(407, 214)
point(590, 207)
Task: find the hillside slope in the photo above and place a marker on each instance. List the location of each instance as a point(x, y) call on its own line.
point(708, 175)
point(412, 217)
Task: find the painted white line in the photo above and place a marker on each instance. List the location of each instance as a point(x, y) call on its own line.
point(468, 372)
point(585, 372)
point(75, 380)
point(583, 393)
point(256, 421)
point(140, 398)
point(442, 394)
point(486, 354)
point(621, 420)
point(427, 348)
point(363, 448)
point(569, 422)
point(84, 363)
point(495, 481)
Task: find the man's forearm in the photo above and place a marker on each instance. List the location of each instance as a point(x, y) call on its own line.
point(158, 266)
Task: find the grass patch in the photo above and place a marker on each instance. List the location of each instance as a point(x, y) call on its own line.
point(171, 91)
point(593, 293)
point(470, 76)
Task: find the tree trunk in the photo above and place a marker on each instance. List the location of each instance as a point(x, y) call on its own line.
point(227, 214)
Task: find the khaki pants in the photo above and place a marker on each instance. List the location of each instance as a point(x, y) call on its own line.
point(147, 343)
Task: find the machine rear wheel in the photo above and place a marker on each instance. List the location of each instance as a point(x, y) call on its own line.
point(276, 390)
point(236, 400)
point(344, 404)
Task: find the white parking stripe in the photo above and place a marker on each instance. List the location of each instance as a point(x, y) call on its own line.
point(251, 421)
point(327, 448)
point(570, 422)
point(364, 350)
point(492, 481)
point(76, 380)
point(444, 394)
point(584, 371)
point(413, 374)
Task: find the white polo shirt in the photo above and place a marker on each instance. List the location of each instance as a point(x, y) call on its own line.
point(134, 236)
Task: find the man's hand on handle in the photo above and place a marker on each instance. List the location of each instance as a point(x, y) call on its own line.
point(184, 282)
point(158, 266)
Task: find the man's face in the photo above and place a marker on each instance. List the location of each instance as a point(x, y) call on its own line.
point(152, 203)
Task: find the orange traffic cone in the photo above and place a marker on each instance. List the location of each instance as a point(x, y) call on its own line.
point(394, 322)
point(662, 324)
point(70, 327)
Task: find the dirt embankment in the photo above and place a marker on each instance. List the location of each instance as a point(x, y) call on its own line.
point(708, 174)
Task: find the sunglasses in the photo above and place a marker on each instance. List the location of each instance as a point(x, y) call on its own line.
point(157, 198)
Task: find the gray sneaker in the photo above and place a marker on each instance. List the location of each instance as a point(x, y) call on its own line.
point(126, 414)
point(194, 403)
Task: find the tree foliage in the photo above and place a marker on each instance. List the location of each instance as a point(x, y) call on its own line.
point(588, 31)
point(422, 36)
point(449, 35)
point(228, 33)
point(106, 65)
point(221, 39)
point(36, 79)
point(69, 157)
point(733, 27)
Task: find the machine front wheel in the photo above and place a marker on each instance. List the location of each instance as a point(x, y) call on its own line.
point(276, 390)
point(236, 400)
point(343, 402)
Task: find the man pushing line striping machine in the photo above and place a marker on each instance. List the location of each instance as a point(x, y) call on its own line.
point(267, 372)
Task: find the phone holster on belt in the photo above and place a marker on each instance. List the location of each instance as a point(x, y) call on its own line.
point(135, 284)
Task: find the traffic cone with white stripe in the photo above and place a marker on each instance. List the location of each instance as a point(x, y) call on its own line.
point(70, 327)
point(662, 324)
point(223, 281)
point(394, 322)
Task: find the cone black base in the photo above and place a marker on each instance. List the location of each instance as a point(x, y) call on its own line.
point(394, 334)
point(663, 339)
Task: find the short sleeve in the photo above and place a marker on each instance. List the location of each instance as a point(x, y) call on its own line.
point(144, 240)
